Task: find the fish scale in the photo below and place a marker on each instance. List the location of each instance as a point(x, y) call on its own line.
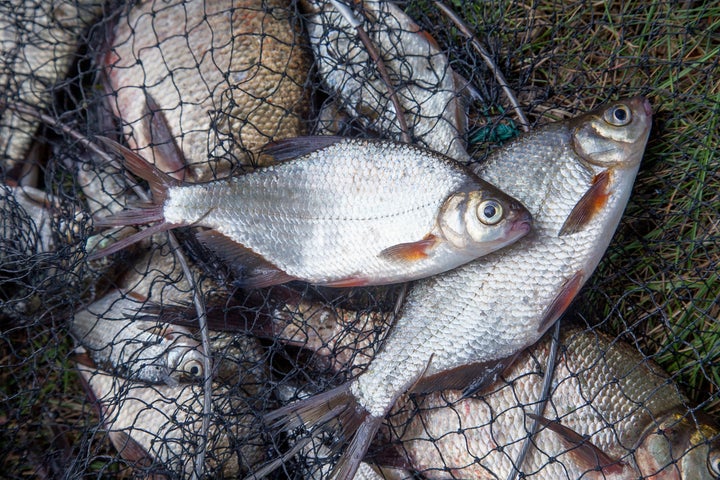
point(602, 389)
point(335, 211)
point(575, 178)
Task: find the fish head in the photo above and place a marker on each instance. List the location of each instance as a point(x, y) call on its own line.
point(185, 359)
point(680, 448)
point(482, 220)
point(613, 135)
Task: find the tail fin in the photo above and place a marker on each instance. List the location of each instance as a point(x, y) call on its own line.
point(158, 180)
point(320, 411)
point(159, 183)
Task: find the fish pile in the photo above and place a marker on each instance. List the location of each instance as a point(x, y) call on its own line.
point(255, 238)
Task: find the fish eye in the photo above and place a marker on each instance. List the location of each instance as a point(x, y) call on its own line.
point(193, 368)
point(490, 212)
point(619, 115)
point(714, 463)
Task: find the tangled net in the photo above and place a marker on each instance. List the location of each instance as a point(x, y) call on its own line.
point(95, 386)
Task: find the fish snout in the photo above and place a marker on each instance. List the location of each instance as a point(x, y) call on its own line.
point(521, 219)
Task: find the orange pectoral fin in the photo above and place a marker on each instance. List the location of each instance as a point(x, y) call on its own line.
point(411, 252)
point(589, 205)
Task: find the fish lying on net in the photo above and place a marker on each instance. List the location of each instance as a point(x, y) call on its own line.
point(611, 414)
point(38, 41)
point(575, 177)
point(426, 86)
point(160, 425)
point(338, 212)
point(227, 77)
point(607, 403)
point(135, 349)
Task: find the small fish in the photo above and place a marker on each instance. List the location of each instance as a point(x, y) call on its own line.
point(157, 427)
point(461, 328)
point(227, 76)
point(39, 42)
point(611, 414)
point(337, 212)
point(428, 90)
point(143, 351)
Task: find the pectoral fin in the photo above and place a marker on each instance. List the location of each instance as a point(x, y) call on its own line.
point(585, 453)
point(253, 270)
point(589, 205)
point(410, 252)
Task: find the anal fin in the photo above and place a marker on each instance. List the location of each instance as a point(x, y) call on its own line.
point(562, 301)
point(252, 269)
point(580, 448)
point(469, 378)
point(589, 205)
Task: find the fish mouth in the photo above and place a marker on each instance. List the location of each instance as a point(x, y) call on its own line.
point(522, 225)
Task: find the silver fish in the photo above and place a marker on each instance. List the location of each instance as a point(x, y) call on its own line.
point(609, 407)
point(143, 351)
point(338, 212)
point(427, 88)
point(227, 76)
point(161, 423)
point(458, 329)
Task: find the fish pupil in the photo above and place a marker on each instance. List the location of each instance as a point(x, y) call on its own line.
point(620, 114)
point(490, 211)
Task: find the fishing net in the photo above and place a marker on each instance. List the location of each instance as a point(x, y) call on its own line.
point(93, 385)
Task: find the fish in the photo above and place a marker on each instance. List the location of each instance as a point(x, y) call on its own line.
point(157, 427)
point(611, 413)
point(336, 211)
point(142, 351)
point(460, 329)
point(39, 45)
point(226, 76)
point(431, 94)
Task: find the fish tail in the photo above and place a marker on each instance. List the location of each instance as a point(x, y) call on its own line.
point(159, 183)
point(158, 180)
point(318, 411)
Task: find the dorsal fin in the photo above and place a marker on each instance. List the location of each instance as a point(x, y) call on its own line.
point(291, 148)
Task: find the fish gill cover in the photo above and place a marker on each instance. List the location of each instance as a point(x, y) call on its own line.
point(104, 364)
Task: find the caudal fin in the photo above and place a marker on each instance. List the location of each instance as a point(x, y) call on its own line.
point(322, 411)
point(159, 183)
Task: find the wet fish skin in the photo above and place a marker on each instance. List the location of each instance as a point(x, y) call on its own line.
point(38, 40)
point(227, 76)
point(142, 351)
point(453, 324)
point(602, 389)
point(426, 86)
point(346, 212)
point(164, 423)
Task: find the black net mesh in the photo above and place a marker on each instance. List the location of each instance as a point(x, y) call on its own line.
point(94, 385)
